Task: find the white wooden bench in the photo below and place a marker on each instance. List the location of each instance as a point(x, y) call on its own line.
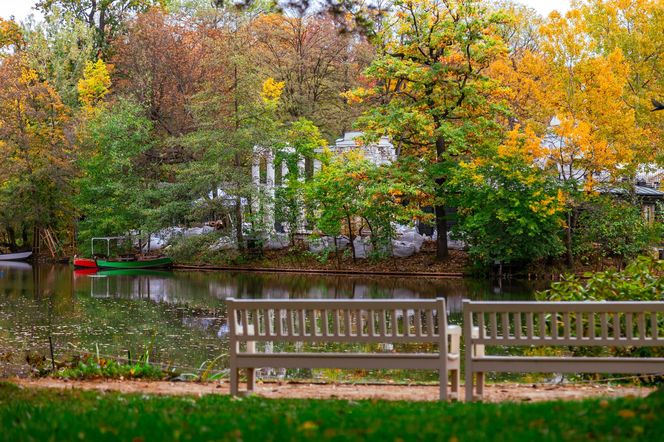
point(342, 321)
point(578, 324)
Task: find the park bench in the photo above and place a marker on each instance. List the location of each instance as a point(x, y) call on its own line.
point(573, 324)
point(344, 321)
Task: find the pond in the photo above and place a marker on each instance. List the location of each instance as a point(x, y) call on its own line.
point(179, 316)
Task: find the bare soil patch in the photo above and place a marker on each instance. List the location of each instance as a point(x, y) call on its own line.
point(493, 392)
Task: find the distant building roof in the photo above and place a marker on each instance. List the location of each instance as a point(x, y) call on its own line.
point(639, 190)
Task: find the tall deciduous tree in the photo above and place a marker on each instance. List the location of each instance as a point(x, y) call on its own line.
point(58, 49)
point(36, 158)
point(316, 61)
point(112, 185)
point(429, 84)
point(106, 17)
point(635, 28)
point(160, 62)
point(509, 210)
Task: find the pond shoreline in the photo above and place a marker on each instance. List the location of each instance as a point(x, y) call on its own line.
point(204, 267)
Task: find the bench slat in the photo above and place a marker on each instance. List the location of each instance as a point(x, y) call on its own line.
point(561, 307)
point(422, 361)
point(569, 365)
point(493, 320)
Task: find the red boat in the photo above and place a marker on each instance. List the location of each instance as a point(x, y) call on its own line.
point(86, 271)
point(85, 263)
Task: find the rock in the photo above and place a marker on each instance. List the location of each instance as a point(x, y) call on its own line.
point(413, 238)
point(317, 245)
point(224, 243)
point(196, 231)
point(401, 249)
point(277, 242)
point(362, 248)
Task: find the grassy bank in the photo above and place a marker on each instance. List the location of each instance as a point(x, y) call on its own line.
point(27, 414)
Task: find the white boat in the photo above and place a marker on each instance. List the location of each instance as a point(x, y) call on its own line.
point(20, 256)
point(14, 265)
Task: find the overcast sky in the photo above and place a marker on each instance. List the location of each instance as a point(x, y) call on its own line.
point(22, 8)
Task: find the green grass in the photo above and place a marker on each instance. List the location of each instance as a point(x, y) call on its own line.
point(27, 414)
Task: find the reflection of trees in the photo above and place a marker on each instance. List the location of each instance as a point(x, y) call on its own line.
point(184, 310)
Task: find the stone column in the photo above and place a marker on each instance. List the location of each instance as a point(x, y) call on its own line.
point(269, 186)
point(301, 219)
point(255, 181)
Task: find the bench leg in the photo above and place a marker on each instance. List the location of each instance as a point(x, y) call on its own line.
point(251, 379)
point(469, 385)
point(235, 380)
point(480, 385)
point(443, 384)
point(455, 383)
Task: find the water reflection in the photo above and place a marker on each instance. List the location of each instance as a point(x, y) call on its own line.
point(179, 315)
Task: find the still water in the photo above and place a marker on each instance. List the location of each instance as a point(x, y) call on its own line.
point(180, 315)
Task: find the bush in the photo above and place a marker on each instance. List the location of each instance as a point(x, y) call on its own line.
point(641, 280)
point(610, 227)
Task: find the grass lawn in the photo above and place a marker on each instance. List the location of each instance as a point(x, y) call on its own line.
point(30, 414)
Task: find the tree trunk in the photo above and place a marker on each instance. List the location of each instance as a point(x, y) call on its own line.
point(11, 238)
point(441, 227)
point(568, 239)
point(351, 236)
point(441, 222)
point(238, 223)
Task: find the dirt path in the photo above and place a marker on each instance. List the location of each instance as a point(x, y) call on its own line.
point(494, 393)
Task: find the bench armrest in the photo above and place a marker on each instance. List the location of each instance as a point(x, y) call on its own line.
point(453, 330)
point(454, 333)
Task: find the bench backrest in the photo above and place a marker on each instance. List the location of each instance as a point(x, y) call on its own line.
point(338, 320)
point(565, 323)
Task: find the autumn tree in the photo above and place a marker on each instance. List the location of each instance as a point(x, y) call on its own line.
point(11, 36)
point(635, 28)
point(316, 61)
point(429, 88)
point(36, 157)
point(350, 192)
point(234, 112)
point(160, 62)
point(106, 18)
point(58, 49)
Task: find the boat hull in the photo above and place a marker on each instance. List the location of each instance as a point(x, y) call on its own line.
point(20, 256)
point(85, 263)
point(144, 264)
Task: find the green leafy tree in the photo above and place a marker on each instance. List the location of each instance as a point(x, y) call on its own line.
point(509, 209)
point(430, 90)
point(351, 192)
point(302, 139)
point(112, 185)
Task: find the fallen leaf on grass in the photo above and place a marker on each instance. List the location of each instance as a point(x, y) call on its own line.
point(627, 414)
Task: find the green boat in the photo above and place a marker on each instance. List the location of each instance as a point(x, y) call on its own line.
point(135, 272)
point(135, 264)
point(126, 263)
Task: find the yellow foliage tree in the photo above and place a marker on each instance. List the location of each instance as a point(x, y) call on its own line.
point(594, 134)
point(95, 84)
